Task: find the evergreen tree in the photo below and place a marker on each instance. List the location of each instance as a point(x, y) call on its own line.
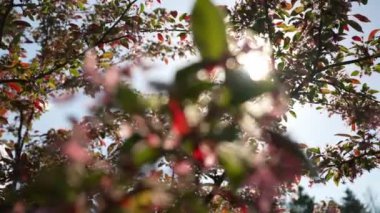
point(351, 204)
point(304, 203)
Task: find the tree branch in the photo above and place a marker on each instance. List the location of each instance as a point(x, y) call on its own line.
point(20, 145)
point(115, 23)
point(4, 19)
point(18, 150)
point(377, 55)
point(146, 31)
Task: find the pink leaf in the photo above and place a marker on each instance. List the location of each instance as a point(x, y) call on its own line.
point(76, 152)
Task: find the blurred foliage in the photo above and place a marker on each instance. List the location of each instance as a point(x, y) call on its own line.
point(213, 140)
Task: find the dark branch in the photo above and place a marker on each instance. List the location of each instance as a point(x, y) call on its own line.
point(4, 19)
point(18, 150)
point(358, 60)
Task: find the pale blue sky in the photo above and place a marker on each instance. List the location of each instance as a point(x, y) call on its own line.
point(311, 127)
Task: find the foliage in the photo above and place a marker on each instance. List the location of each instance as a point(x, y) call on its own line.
point(303, 203)
point(200, 146)
point(352, 204)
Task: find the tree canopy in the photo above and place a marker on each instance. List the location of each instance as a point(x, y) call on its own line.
point(211, 141)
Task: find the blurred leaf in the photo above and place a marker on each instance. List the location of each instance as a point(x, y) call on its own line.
point(143, 154)
point(188, 85)
point(229, 155)
point(128, 100)
point(130, 142)
point(209, 31)
point(284, 143)
point(242, 88)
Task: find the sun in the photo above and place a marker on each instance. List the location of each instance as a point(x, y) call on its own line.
point(256, 64)
point(253, 54)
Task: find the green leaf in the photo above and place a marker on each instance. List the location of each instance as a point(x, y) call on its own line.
point(299, 9)
point(128, 100)
point(355, 25)
point(337, 178)
point(209, 30)
point(376, 68)
point(130, 142)
point(142, 8)
point(293, 113)
point(74, 72)
point(188, 85)
point(242, 88)
point(329, 175)
point(142, 154)
point(355, 73)
point(315, 150)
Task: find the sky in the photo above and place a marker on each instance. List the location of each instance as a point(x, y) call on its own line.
point(312, 127)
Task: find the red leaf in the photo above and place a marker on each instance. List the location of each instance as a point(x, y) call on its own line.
point(38, 105)
point(356, 38)
point(160, 37)
point(183, 36)
point(356, 152)
point(372, 34)
point(159, 1)
point(210, 68)
point(362, 18)
point(345, 27)
point(180, 124)
point(187, 18)
point(174, 13)
point(198, 155)
point(15, 86)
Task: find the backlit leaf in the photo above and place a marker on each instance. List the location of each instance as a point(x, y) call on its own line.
point(209, 31)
